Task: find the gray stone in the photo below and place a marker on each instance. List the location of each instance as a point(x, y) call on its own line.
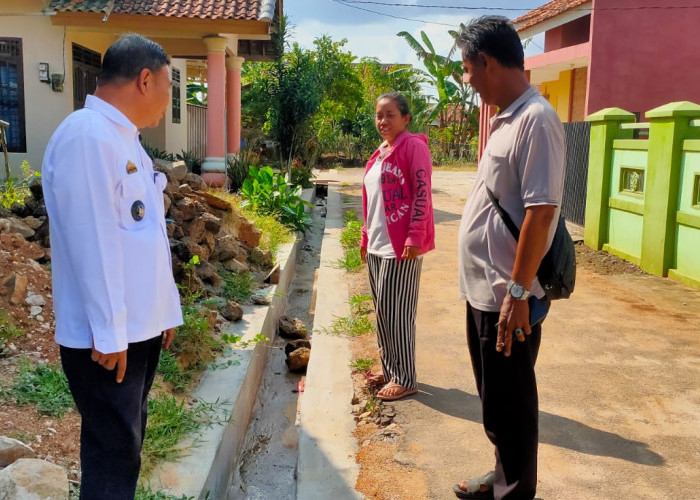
point(261, 257)
point(227, 247)
point(32, 479)
point(186, 189)
point(12, 450)
point(298, 359)
point(260, 299)
point(187, 208)
point(232, 311)
point(35, 311)
point(236, 266)
point(292, 328)
point(35, 300)
point(19, 227)
point(32, 222)
point(211, 223)
point(195, 181)
point(178, 170)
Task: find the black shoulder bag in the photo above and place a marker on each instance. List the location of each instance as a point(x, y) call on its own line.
point(557, 271)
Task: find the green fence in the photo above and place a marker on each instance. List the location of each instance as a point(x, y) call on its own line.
point(643, 198)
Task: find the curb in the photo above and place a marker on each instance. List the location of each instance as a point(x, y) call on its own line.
point(232, 389)
point(326, 467)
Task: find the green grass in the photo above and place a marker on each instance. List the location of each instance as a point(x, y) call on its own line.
point(351, 261)
point(146, 493)
point(351, 326)
point(169, 421)
point(361, 365)
point(21, 436)
point(8, 331)
point(237, 286)
point(455, 166)
point(361, 304)
point(44, 386)
point(172, 373)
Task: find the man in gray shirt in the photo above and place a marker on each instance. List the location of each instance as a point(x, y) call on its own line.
point(523, 166)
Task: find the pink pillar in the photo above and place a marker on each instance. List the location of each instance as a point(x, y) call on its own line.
point(214, 167)
point(486, 112)
point(233, 104)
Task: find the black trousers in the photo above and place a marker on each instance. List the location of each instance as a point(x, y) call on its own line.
point(113, 418)
point(508, 391)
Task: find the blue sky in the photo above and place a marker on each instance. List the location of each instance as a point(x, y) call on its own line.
point(372, 34)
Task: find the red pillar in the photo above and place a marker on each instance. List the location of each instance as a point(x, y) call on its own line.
point(233, 103)
point(214, 167)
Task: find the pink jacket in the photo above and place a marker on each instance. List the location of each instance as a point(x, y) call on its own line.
point(406, 187)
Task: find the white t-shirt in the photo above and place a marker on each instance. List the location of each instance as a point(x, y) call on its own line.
point(378, 243)
point(523, 165)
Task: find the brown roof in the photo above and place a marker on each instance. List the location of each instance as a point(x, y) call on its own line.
point(545, 12)
point(205, 9)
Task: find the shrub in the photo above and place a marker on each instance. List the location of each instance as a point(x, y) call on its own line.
point(14, 190)
point(267, 192)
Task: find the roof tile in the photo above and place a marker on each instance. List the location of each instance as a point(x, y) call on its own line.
point(205, 9)
point(545, 12)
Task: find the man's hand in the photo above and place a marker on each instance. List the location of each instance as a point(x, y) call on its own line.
point(363, 254)
point(410, 252)
point(109, 361)
point(168, 336)
point(515, 314)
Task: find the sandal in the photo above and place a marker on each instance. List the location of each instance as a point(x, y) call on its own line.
point(374, 378)
point(397, 392)
point(480, 488)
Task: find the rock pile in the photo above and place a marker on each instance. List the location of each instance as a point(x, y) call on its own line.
point(23, 476)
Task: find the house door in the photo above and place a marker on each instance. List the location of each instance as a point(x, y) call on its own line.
point(86, 67)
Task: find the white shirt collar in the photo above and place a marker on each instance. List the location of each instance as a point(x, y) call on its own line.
point(524, 97)
point(109, 111)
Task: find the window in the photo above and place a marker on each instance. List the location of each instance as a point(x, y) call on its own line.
point(86, 67)
point(176, 95)
point(696, 191)
point(12, 93)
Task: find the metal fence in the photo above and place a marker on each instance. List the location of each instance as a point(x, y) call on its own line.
point(197, 130)
point(578, 136)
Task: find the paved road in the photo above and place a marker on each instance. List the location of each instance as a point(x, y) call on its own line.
point(619, 379)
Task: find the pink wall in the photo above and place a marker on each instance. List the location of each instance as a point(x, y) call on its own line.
point(568, 34)
point(643, 58)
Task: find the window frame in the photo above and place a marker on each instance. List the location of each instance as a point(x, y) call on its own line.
point(19, 61)
point(176, 99)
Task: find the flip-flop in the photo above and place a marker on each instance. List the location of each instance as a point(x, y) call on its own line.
point(474, 487)
point(402, 393)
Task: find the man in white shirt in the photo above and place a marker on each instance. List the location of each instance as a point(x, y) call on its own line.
point(523, 166)
point(115, 298)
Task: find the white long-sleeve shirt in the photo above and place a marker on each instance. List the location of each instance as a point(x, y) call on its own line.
point(112, 273)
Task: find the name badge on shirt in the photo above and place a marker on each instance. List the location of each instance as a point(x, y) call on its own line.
point(131, 167)
point(138, 210)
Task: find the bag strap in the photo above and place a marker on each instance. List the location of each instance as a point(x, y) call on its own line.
point(504, 215)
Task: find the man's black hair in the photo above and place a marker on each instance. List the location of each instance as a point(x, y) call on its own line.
point(494, 36)
point(128, 56)
point(401, 102)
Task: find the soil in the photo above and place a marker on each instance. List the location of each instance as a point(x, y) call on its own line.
point(603, 263)
point(52, 439)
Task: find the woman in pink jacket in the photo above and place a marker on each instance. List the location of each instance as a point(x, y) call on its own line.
point(399, 229)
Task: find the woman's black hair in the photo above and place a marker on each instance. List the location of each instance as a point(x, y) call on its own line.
point(128, 56)
point(401, 103)
point(494, 36)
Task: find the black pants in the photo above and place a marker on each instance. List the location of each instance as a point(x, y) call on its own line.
point(113, 418)
point(508, 392)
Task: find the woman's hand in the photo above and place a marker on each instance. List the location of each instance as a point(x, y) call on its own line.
point(410, 252)
point(363, 254)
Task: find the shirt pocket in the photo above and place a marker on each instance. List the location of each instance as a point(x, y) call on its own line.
point(132, 196)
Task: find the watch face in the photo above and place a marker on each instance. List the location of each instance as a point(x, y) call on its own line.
point(517, 291)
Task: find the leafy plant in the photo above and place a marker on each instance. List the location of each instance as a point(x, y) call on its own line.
point(172, 373)
point(193, 162)
point(350, 240)
point(267, 192)
point(146, 493)
point(359, 306)
point(43, 385)
point(14, 190)
point(237, 167)
point(8, 331)
point(157, 154)
point(351, 261)
point(351, 326)
point(237, 286)
point(362, 365)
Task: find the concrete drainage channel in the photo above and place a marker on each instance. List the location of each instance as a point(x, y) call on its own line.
point(262, 450)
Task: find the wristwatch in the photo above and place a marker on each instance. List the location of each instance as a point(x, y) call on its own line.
point(517, 291)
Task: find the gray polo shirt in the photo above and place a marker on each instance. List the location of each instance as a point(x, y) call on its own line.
point(523, 165)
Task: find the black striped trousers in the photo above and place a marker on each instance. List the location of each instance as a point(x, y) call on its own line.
point(394, 285)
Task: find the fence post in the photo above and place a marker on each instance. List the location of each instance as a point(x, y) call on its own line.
point(605, 128)
point(669, 125)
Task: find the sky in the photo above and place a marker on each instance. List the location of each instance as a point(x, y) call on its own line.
point(374, 35)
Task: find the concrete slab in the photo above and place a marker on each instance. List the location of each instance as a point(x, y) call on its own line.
point(327, 467)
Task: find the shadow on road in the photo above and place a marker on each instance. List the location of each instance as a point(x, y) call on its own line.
point(554, 429)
